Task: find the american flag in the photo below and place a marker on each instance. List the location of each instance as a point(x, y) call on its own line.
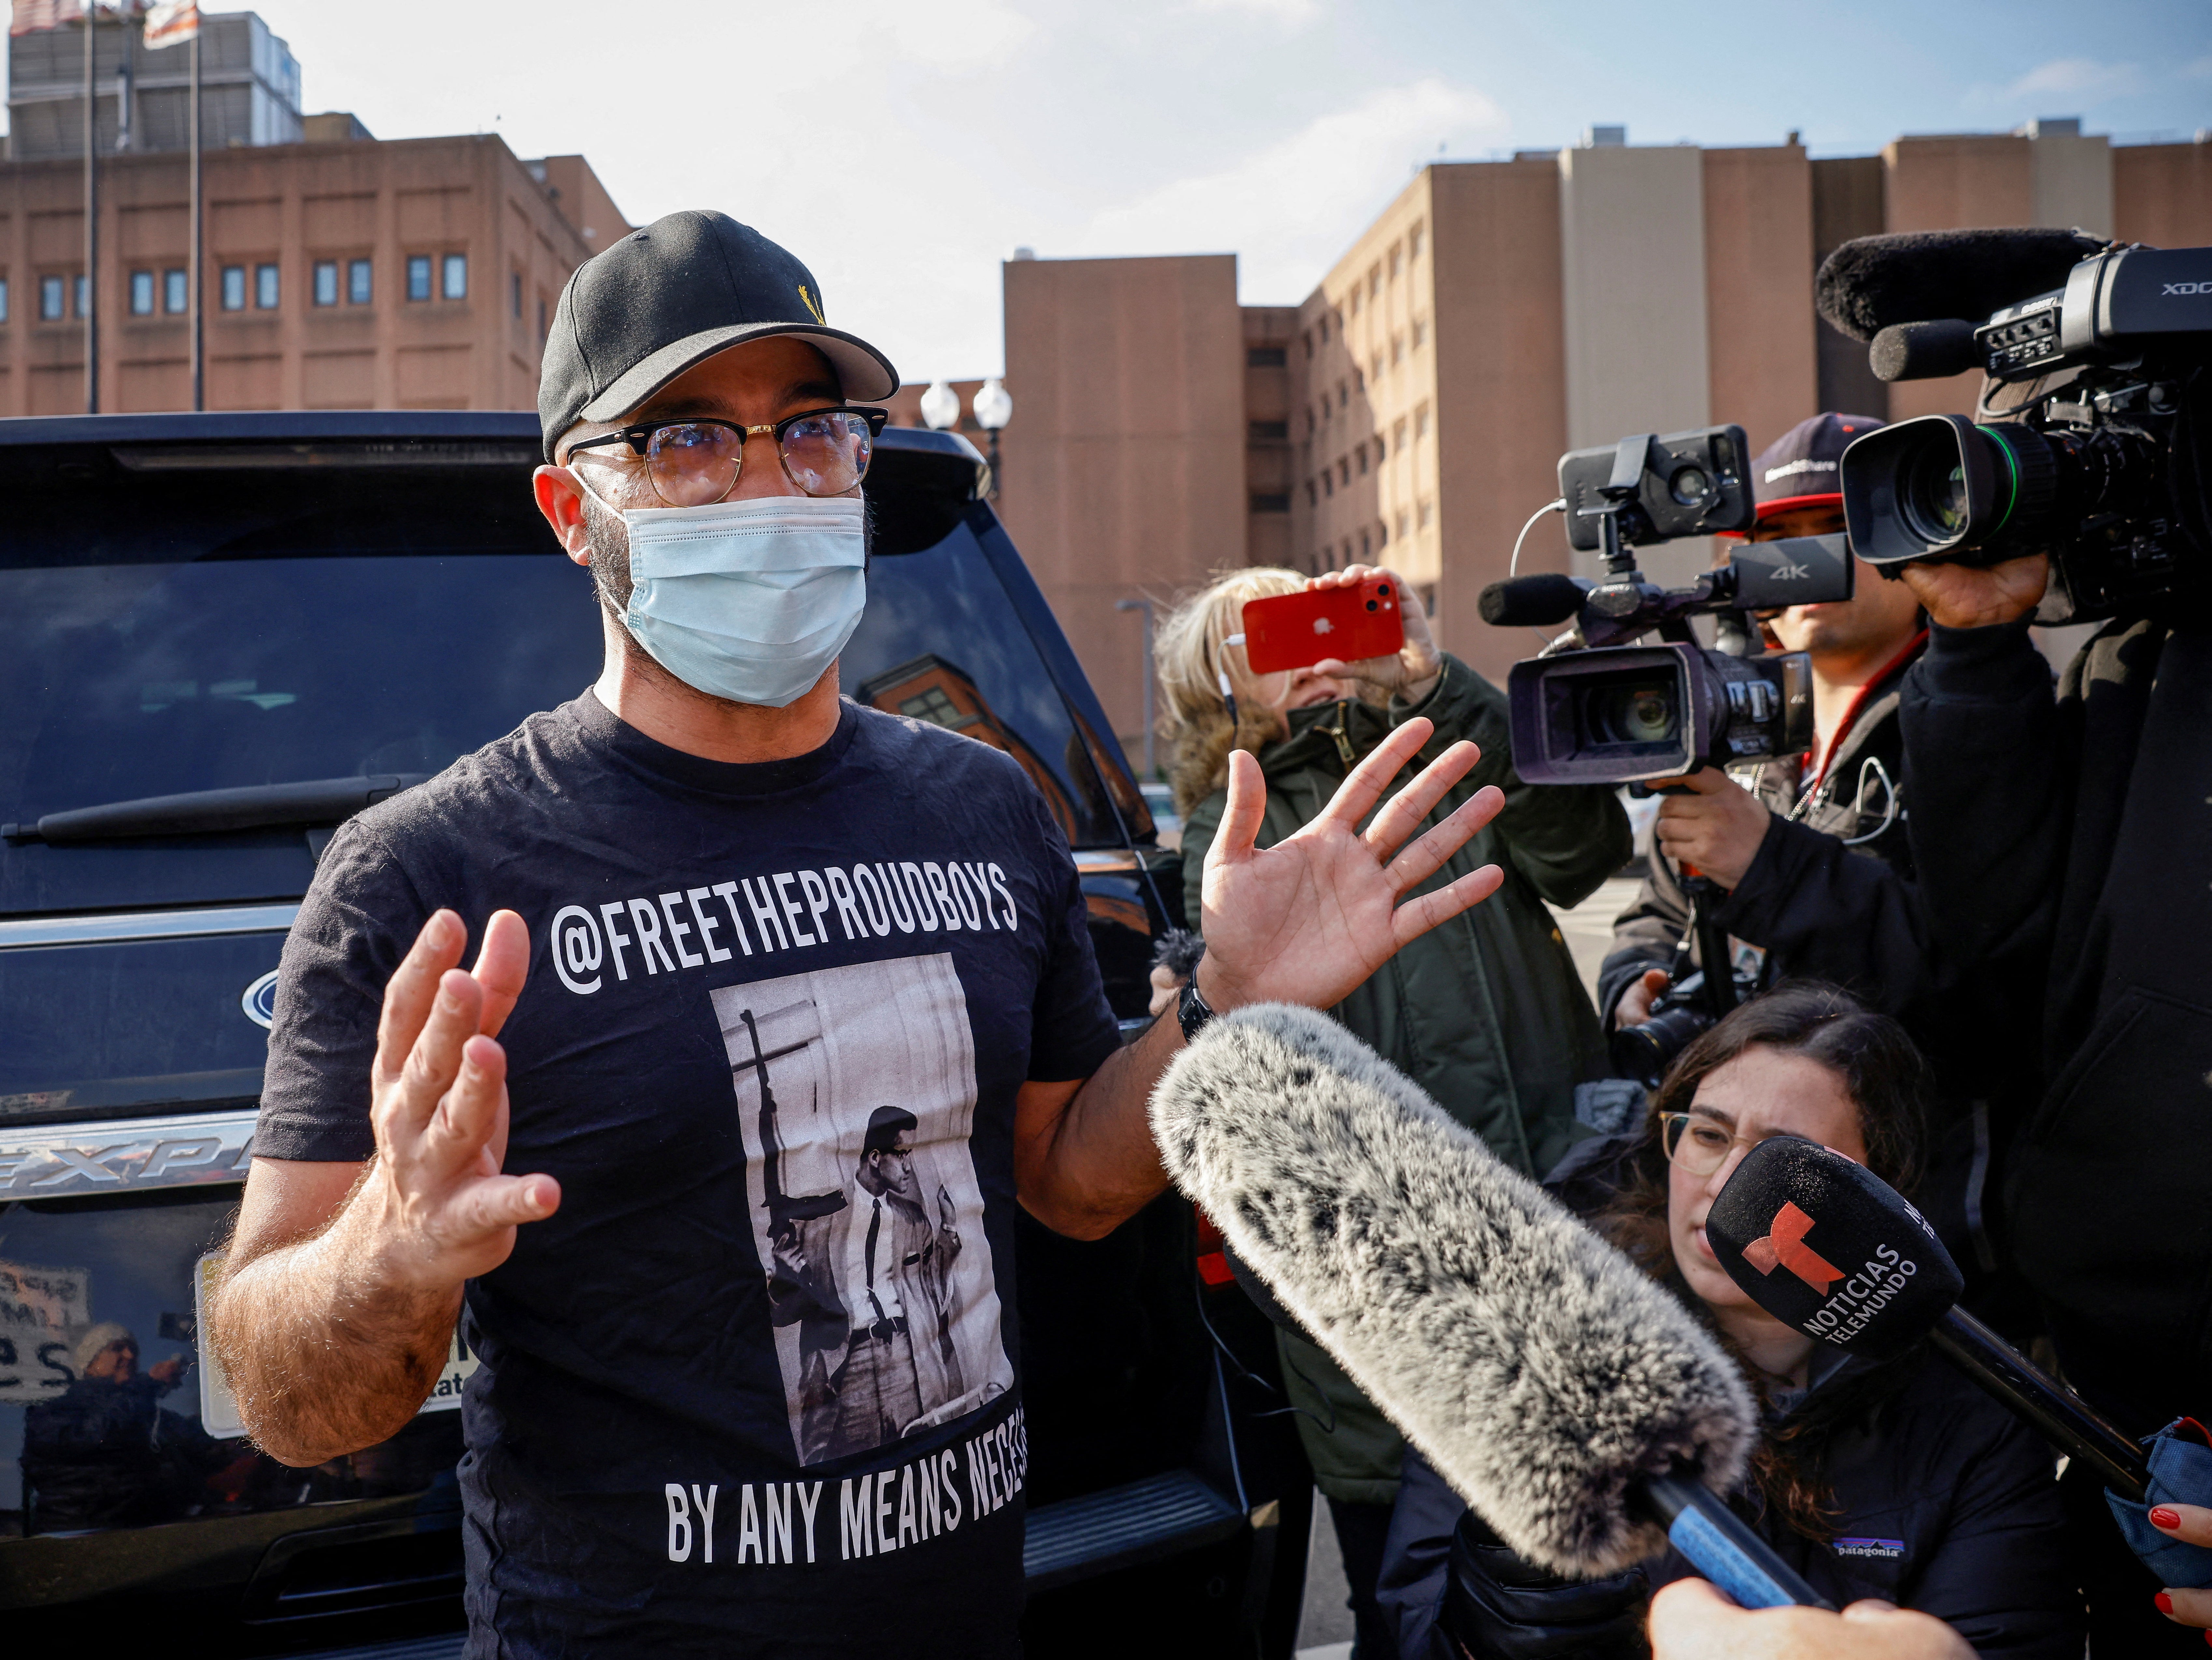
point(29, 17)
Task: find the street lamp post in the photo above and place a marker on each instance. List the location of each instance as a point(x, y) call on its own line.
point(940, 406)
point(1146, 607)
point(993, 408)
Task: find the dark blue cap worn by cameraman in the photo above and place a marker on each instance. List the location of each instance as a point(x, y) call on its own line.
point(1798, 470)
point(690, 285)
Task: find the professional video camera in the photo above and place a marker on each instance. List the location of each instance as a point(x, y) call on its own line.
point(2096, 356)
point(1592, 708)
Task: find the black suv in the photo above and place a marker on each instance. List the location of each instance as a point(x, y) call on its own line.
point(205, 620)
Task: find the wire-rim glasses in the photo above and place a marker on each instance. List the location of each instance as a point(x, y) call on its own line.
point(1699, 1145)
point(692, 463)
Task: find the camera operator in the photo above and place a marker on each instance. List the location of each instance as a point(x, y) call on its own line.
point(2064, 844)
point(1815, 856)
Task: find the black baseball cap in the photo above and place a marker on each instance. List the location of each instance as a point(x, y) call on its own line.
point(1798, 470)
point(636, 315)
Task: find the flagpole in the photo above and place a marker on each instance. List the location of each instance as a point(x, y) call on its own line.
point(200, 274)
point(91, 227)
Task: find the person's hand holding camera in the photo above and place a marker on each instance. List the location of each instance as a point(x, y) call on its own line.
point(1716, 830)
point(1411, 672)
point(1634, 1007)
point(1978, 596)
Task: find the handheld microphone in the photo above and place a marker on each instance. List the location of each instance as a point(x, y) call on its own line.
point(1909, 276)
point(1566, 1395)
point(1531, 602)
point(1826, 1245)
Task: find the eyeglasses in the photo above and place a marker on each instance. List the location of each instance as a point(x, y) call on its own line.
point(1699, 1145)
point(692, 463)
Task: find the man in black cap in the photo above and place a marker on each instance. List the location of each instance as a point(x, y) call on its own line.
point(1814, 854)
point(708, 815)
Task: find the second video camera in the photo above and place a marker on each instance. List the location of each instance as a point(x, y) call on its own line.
point(1593, 708)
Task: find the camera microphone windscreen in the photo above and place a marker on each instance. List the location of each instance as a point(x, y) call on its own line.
point(1910, 277)
point(1925, 352)
point(1546, 1375)
point(1531, 602)
point(1825, 1245)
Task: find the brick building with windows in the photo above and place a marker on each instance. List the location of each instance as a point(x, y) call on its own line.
point(339, 272)
point(1412, 408)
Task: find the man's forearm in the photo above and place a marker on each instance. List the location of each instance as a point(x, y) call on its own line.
point(1094, 1165)
point(324, 1351)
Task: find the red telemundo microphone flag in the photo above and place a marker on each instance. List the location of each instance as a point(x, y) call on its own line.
point(170, 23)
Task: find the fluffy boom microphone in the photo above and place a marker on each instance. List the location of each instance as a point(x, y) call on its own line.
point(1551, 1380)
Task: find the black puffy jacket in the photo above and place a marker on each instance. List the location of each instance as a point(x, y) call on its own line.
point(1945, 1502)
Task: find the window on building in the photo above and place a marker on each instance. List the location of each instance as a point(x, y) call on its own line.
point(515, 293)
point(81, 295)
point(1262, 431)
point(142, 293)
point(1359, 377)
point(456, 286)
point(358, 286)
point(1420, 331)
point(1327, 481)
point(233, 288)
point(1313, 496)
point(1424, 511)
point(1398, 434)
point(418, 276)
point(1420, 423)
point(176, 298)
point(1360, 455)
point(266, 291)
point(1405, 523)
point(1397, 349)
point(1393, 262)
point(1414, 242)
point(1271, 502)
point(1324, 330)
point(1344, 470)
point(1374, 280)
point(1308, 337)
point(3, 299)
point(51, 299)
point(1266, 357)
point(1355, 299)
point(326, 282)
point(1366, 547)
point(1347, 550)
point(1378, 366)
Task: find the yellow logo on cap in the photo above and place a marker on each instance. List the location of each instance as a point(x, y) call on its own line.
point(811, 307)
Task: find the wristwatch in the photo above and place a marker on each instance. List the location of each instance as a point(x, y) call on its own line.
point(1191, 1011)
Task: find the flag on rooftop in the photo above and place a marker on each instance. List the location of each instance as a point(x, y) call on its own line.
point(29, 17)
point(170, 23)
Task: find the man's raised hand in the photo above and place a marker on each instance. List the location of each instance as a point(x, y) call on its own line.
point(438, 1102)
point(1310, 918)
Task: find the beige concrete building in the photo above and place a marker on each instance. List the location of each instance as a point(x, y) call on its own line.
point(1414, 407)
point(339, 272)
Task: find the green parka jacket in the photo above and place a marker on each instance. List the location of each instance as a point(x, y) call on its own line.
point(1486, 1012)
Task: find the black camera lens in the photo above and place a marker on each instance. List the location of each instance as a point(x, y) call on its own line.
point(1690, 486)
point(1644, 1053)
point(1934, 497)
point(1642, 711)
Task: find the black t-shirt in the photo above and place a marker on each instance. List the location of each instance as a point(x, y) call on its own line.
point(731, 1403)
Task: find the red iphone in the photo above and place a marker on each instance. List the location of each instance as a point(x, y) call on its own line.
point(1297, 630)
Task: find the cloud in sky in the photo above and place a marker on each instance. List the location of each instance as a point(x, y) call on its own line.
point(1289, 207)
point(2082, 78)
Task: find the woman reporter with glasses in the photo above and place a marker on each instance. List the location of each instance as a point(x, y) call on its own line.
point(1901, 1481)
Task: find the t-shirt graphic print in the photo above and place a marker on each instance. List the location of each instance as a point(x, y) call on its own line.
point(856, 1092)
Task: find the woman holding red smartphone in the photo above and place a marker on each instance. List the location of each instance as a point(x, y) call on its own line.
point(1486, 1013)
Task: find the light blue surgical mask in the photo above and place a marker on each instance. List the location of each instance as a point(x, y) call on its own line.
point(748, 600)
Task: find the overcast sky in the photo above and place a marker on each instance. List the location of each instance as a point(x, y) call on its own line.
point(903, 148)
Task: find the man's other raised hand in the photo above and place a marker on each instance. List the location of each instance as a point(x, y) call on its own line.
point(438, 1104)
point(1310, 918)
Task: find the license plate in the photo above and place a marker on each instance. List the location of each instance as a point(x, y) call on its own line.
point(219, 1410)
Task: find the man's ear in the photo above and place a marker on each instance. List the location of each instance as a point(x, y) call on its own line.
point(562, 504)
